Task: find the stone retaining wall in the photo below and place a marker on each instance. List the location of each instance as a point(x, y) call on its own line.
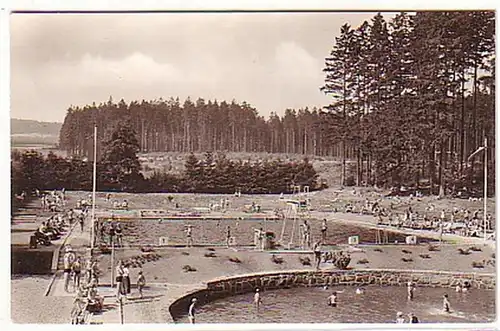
point(228, 286)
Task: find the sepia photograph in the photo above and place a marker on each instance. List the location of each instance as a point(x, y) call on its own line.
point(204, 167)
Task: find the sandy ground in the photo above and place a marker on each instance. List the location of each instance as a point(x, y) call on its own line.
point(29, 305)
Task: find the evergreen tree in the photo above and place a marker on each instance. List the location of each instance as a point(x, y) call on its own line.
point(122, 166)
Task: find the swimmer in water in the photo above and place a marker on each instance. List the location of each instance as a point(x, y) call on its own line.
point(332, 299)
point(360, 291)
point(399, 318)
point(446, 304)
point(256, 299)
point(458, 289)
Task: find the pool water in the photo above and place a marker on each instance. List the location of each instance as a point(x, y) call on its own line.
point(376, 305)
point(214, 232)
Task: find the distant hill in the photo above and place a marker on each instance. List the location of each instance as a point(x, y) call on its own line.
point(18, 126)
point(28, 132)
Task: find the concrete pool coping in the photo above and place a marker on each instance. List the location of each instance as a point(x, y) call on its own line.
point(221, 287)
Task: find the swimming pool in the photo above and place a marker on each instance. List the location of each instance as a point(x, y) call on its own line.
point(376, 305)
point(142, 231)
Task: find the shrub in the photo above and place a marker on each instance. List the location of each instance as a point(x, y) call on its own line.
point(305, 260)
point(211, 254)
point(477, 265)
point(342, 262)
point(234, 259)
point(433, 248)
point(462, 251)
point(188, 268)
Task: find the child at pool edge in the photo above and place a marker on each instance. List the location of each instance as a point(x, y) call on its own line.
point(191, 311)
point(141, 282)
point(257, 299)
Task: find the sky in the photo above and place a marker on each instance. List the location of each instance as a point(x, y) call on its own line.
point(273, 61)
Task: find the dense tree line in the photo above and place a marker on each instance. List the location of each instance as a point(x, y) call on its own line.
point(409, 99)
point(119, 170)
point(169, 126)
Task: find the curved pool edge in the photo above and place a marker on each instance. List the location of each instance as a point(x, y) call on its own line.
point(222, 287)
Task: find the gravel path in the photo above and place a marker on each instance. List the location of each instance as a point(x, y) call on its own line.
point(29, 305)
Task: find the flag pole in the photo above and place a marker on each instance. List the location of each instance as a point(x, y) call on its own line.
point(485, 182)
point(92, 230)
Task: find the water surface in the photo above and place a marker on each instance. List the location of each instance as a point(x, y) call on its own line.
point(377, 305)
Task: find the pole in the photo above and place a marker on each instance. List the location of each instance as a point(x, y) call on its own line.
point(121, 310)
point(92, 231)
point(485, 182)
point(112, 262)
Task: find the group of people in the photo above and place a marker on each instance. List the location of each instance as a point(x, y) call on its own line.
point(74, 266)
point(87, 298)
point(457, 221)
point(259, 235)
point(332, 301)
point(53, 201)
point(110, 232)
point(123, 284)
point(56, 225)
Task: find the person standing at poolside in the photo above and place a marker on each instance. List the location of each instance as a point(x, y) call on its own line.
point(324, 228)
point(81, 221)
point(189, 233)
point(257, 300)
point(119, 279)
point(307, 235)
point(126, 280)
point(261, 239)
point(141, 282)
point(228, 236)
point(317, 254)
point(119, 235)
point(410, 289)
point(192, 311)
point(446, 304)
point(68, 259)
point(77, 273)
